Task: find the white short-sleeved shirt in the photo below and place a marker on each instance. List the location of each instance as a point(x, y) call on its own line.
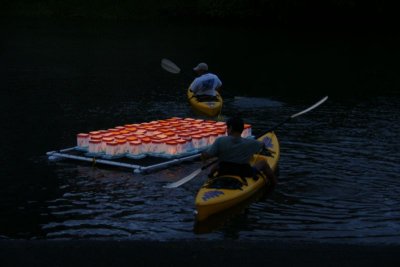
point(206, 84)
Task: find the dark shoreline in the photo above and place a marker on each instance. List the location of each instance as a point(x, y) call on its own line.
point(193, 253)
point(300, 15)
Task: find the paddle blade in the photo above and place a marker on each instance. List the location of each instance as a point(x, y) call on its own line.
point(183, 180)
point(310, 108)
point(170, 66)
point(296, 115)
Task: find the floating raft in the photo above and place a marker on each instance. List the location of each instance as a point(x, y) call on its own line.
point(143, 165)
point(146, 146)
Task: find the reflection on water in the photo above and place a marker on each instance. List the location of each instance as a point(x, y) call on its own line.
point(339, 165)
point(108, 204)
point(336, 185)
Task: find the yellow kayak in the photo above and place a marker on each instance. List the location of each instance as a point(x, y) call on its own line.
point(207, 108)
point(221, 193)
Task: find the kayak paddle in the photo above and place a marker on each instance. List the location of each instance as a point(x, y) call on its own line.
point(170, 66)
point(198, 171)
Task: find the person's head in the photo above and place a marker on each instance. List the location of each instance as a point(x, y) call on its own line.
point(235, 125)
point(201, 68)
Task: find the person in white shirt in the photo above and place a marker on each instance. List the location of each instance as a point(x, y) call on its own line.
point(207, 84)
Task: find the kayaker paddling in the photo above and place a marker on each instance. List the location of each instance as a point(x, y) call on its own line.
point(206, 85)
point(205, 98)
point(234, 153)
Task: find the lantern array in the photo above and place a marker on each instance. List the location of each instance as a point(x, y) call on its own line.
point(172, 137)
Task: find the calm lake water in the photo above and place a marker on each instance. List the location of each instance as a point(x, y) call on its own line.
point(339, 167)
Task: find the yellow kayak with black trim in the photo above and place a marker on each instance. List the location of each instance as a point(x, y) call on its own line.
point(221, 193)
point(207, 108)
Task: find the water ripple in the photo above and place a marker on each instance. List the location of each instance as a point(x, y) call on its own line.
point(338, 182)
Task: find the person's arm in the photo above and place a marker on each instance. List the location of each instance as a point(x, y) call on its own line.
point(265, 166)
point(211, 151)
point(270, 174)
point(194, 86)
point(205, 156)
point(218, 89)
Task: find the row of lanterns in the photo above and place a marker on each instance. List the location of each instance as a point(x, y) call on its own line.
point(163, 138)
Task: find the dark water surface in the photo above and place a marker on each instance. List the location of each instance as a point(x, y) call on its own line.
point(339, 167)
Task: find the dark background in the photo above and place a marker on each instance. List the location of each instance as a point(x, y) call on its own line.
point(364, 15)
point(358, 26)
